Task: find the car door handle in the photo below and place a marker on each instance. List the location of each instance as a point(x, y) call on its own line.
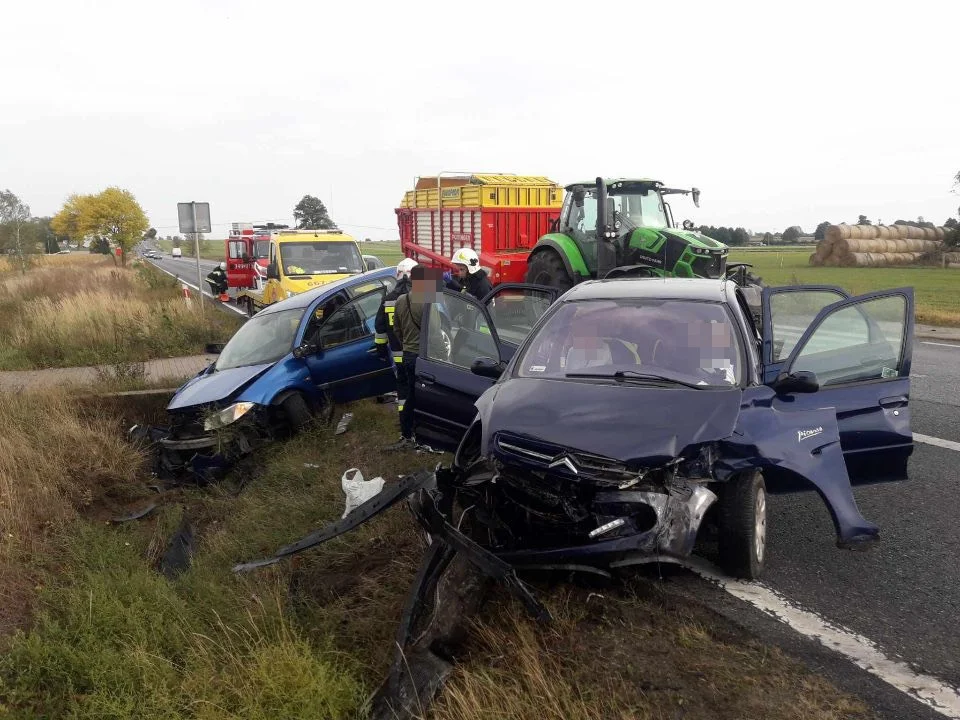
point(426, 378)
point(894, 401)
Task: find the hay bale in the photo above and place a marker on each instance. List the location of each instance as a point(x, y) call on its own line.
point(815, 260)
point(838, 232)
point(941, 233)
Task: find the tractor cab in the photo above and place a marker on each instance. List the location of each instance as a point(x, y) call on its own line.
point(610, 228)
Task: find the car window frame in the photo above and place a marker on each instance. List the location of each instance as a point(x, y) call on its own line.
point(905, 356)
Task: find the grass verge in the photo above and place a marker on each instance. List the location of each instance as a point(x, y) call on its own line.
point(84, 310)
point(110, 637)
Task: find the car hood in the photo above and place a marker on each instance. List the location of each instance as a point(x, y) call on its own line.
point(302, 283)
point(216, 386)
point(633, 424)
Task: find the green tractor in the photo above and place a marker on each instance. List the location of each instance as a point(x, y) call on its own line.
point(615, 228)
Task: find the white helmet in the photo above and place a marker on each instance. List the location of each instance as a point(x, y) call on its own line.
point(466, 256)
point(404, 267)
point(222, 266)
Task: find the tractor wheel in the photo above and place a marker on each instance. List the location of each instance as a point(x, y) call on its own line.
point(547, 268)
point(742, 516)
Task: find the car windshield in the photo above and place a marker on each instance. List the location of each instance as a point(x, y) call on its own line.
point(261, 249)
point(327, 257)
point(679, 342)
point(262, 339)
point(632, 210)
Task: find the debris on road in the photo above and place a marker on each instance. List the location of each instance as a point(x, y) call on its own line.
point(358, 490)
point(135, 516)
point(179, 551)
point(344, 423)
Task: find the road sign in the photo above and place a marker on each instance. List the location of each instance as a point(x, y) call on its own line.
point(194, 217)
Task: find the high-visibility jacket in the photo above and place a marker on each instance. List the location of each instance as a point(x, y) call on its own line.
point(384, 323)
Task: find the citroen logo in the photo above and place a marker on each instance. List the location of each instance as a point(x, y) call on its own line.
point(565, 461)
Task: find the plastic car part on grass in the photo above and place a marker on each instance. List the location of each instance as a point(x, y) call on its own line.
point(357, 490)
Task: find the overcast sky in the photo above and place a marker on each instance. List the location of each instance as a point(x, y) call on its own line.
point(780, 116)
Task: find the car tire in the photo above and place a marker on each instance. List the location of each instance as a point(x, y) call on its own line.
point(296, 412)
point(742, 519)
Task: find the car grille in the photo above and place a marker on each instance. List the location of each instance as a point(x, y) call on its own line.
point(563, 462)
point(187, 424)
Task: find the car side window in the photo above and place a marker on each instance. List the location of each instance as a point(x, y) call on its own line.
point(347, 323)
point(458, 332)
point(791, 313)
point(863, 341)
point(515, 311)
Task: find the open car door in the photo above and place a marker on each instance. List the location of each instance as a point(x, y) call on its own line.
point(860, 351)
point(456, 331)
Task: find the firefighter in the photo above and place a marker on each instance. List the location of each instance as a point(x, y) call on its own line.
point(217, 278)
point(387, 340)
point(407, 320)
point(470, 277)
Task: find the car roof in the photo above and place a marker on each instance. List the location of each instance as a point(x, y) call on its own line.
point(696, 289)
point(302, 300)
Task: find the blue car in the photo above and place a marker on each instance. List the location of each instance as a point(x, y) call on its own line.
point(604, 427)
point(291, 360)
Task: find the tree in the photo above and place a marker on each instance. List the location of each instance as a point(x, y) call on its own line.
point(791, 234)
point(821, 232)
point(740, 237)
point(14, 214)
point(311, 214)
point(862, 220)
point(113, 216)
point(767, 238)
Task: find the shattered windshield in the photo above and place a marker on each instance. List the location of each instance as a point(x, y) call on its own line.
point(327, 257)
point(262, 339)
point(678, 342)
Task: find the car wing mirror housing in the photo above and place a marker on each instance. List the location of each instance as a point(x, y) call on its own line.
point(801, 381)
point(305, 349)
point(487, 367)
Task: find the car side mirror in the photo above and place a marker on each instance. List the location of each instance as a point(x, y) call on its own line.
point(307, 349)
point(214, 348)
point(273, 272)
point(696, 197)
point(802, 381)
point(487, 367)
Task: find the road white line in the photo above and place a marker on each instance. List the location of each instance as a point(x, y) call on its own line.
point(939, 442)
point(191, 285)
point(864, 653)
point(928, 342)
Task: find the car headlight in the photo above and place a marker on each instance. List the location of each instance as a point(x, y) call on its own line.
point(227, 416)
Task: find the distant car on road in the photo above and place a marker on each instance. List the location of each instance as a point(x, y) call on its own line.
point(176, 252)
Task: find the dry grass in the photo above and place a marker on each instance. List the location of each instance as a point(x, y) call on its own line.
point(647, 657)
point(74, 311)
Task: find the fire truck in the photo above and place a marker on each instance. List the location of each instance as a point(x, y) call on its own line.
point(248, 254)
point(499, 216)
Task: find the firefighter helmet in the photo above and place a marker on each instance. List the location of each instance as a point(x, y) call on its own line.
point(404, 267)
point(468, 258)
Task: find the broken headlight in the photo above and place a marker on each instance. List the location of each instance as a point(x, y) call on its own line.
point(227, 416)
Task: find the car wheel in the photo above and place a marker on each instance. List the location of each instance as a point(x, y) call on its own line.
point(742, 519)
point(296, 412)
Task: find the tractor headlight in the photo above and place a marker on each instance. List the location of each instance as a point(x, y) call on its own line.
point(227, 416)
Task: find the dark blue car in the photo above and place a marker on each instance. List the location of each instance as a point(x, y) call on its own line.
point(289, 361)
point(616, 419)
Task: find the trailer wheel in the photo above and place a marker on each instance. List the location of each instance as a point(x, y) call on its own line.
point(742, 519)
point(546, 267)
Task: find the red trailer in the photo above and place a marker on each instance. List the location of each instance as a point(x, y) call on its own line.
point(500, 217)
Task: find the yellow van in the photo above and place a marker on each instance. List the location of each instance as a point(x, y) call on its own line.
point(301, 260)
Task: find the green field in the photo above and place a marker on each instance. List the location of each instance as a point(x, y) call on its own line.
point(937, 290)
